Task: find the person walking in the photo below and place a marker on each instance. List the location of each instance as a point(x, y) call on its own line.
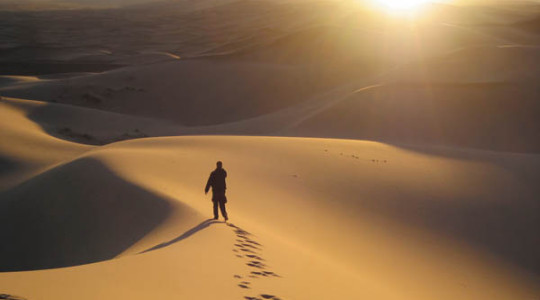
point(217, 182)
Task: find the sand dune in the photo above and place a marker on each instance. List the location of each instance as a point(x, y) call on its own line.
point(504, 12)
point(331, 45)
point(532, 25)
point(179, 91)
point(491, 106)
point(188, 29)
point(12, 80)
point(450, 212)
point(17, 158)
point(90, 126)
point(410, 170)
point(490, 64)
point(445, 202)
point(494, 116)
point(74, 225)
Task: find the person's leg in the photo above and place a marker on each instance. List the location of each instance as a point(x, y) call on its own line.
point(223, 210)
point(216, 215)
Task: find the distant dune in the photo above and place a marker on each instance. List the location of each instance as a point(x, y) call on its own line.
point(238, 90)
point(341, 45)
point(532, 25)
point(481, 64)
point(442, 99)
point(494, 116)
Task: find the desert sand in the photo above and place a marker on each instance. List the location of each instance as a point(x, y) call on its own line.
point(370, 155)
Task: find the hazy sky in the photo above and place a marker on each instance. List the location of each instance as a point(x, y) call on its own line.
point(93, 3)
point(89, 2)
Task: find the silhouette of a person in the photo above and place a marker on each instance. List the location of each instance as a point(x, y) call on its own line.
point(217, 182)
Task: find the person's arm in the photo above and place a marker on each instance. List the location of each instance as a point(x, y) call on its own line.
point(225, 181)
point(209, 183)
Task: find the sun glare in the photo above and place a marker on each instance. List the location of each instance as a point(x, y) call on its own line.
point(402, 5)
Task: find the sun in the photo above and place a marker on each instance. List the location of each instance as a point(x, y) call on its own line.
point(402, 5)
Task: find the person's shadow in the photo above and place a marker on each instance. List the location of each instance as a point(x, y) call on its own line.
point(184, 235)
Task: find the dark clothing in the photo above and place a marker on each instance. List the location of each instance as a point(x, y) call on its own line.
point(222, 207)
point(219, 197)
point(217, 182)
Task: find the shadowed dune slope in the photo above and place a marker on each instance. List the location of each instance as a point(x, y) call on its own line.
point(180, 90)
point(496, 116)
point(503, 63)
point(532, 25)
point(74, 214)
point(90, 126)
point(22, 139)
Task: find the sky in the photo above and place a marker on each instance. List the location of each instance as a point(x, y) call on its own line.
point(53, 4)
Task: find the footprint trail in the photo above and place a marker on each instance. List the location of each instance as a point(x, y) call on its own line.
point(246, 248)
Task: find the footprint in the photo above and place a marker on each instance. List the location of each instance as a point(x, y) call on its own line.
point(243, 286)
point(269, 273)
point(253, 242)
point(241, 232)
point(254, 257)
point(265, 273)
point(251, 298)
point(254, 265)
point(250, 246)
point(238, 230)
point(268, 296)
point(237, 276)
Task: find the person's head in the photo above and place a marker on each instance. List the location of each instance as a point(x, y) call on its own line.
point(219, 165)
